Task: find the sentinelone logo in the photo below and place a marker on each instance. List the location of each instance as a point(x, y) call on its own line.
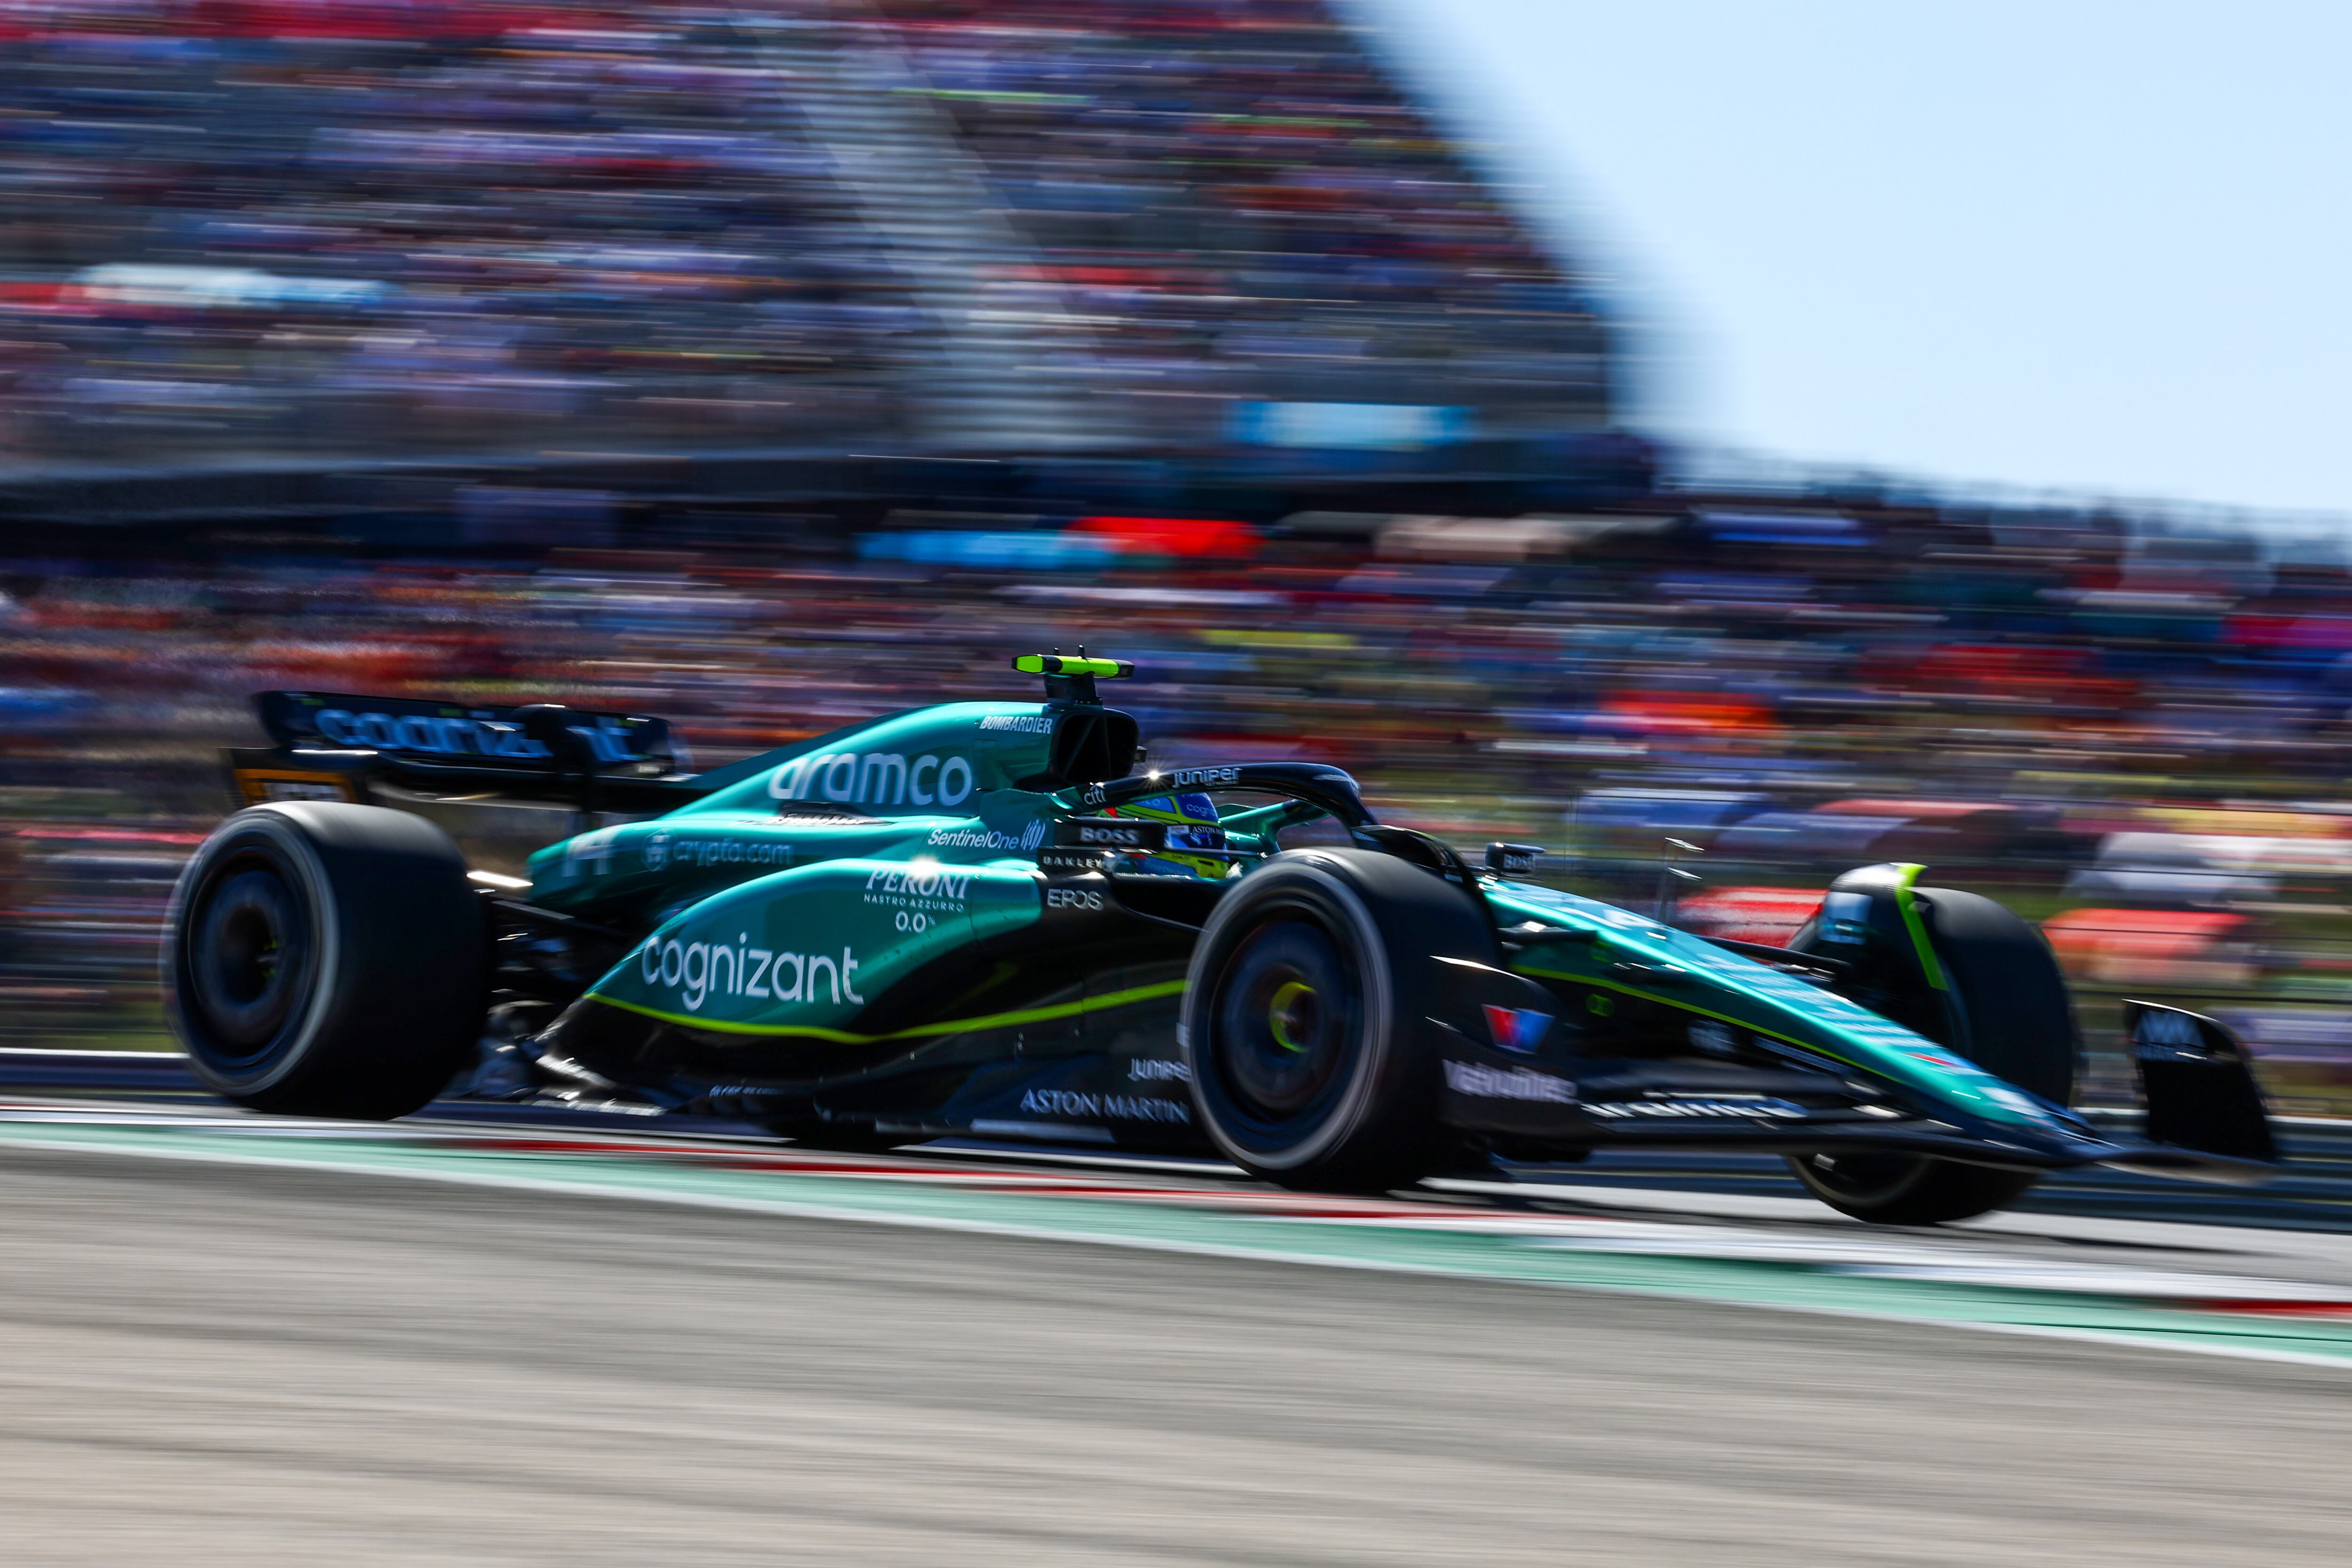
point(987, 839)
point(874, 779)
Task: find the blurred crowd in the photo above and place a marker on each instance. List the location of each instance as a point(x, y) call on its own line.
point(2136, 739)
point(240, 229)
point(1241, 201)
point(245, 227)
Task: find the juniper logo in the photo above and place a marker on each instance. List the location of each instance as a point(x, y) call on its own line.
point(874, 779)
point(697, 971)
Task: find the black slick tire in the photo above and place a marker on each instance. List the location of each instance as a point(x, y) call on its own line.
point(2011, 1015)
point(327, 959)
point(1303, 1014)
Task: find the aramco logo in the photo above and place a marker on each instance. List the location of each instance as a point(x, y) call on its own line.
point(874, 779)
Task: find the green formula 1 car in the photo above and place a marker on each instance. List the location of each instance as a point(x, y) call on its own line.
point(979, 919)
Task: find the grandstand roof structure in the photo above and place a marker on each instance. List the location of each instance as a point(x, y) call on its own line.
point(268, 228)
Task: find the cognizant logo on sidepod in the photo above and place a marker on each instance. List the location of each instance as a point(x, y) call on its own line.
point(697, 971)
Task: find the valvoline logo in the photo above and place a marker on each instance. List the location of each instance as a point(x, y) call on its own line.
point(1516, 1029)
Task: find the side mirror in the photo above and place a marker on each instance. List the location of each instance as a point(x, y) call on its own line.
point(1513, 860)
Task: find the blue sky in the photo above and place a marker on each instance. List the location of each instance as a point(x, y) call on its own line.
point(2102, 247)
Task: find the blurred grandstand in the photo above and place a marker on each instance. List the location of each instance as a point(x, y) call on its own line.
point(637, 357)
point(271, 227)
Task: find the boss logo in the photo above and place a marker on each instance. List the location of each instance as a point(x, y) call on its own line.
point(1110, 834)
point(1072, 898)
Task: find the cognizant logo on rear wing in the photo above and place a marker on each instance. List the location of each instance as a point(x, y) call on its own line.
point(435, 731)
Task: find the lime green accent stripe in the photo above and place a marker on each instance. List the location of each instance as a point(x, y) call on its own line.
point(1056, 664)
point(1905, 876)
point(921, 1032)
point(1682, 1006)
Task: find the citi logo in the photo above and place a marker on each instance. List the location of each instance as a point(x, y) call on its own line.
point(873, 778)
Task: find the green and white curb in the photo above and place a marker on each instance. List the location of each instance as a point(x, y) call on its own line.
point(1902, 1280)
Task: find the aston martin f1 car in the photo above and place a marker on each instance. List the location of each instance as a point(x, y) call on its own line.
point(989, 919)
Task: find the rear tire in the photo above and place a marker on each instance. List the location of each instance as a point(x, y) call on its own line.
point(1302, 1019)
point(2012, 1018)
point(327, 959)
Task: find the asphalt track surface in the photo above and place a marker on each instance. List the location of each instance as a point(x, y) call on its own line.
point(237, 1341)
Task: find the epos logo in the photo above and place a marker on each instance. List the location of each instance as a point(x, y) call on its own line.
point(873, 778)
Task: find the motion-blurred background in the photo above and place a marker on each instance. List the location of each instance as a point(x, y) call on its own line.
point(769, 366)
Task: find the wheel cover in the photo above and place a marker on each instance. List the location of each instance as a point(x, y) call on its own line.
point(249, 961)
point(1288, 1021)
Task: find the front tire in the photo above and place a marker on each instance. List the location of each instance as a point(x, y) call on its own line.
point(2012, 1017)
point(1908, 1189)
point(327, 959)
point(1302, 1017)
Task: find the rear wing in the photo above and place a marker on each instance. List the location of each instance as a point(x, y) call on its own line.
point(327, 746)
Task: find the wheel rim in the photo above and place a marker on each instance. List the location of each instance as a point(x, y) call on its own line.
point(248, 961)
point(1287, 1024)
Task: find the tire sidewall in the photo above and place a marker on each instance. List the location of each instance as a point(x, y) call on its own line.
point(292, 853)
point(400, 986)
point(2013, 1008)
